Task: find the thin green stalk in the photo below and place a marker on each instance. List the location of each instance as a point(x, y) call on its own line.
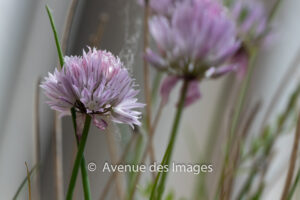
point(84, 174)
point(155, 86)
point(293, 160)
point(274, 10)
point(293, 188)
point(59, 51)
point(153, 192)
point(79, 157)
point(269, 144)
point(237, 113)
point(169, 150)
point(214, 133)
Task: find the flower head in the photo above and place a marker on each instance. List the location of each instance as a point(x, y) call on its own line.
point(96, 84)
point(252, 24)
point(196, 37)
point(199, 35)
point(251, 18)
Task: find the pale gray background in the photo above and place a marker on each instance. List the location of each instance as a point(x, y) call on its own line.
point(28, 51)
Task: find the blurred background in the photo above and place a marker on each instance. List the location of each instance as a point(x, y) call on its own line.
point(31, 133)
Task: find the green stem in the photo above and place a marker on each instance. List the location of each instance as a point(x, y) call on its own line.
point(274, 10)
point(293, 188)
point(84, 174)
point(153, 192)
point(79, 157)
point(85, 180)
point(237, 113)
point(59, 51)
point(169, 150)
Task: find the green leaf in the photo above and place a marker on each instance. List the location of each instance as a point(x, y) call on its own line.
point(24, 182)
point(170, 196)
point(59, 51)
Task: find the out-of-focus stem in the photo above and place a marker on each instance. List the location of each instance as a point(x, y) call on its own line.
point(15, 197)
point(236, 154)
point(113, 155)
point(274, 10)
point(293, 188)
point(236, 118)
point(113, 175)
point(37, 136)
point(146, 80)
point(58, 152)
point(68, 24)
point(293, 159)
point(169, 150)
point(268, 147)
point(28, 180)
point(292, 69)
point(153, 127)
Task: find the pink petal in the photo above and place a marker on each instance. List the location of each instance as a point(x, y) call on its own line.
point(101, 124)
point(168, 84)
point(241, 60)
point(193, 93)
point(220, 71)
point(80, 119)
point(155, 60)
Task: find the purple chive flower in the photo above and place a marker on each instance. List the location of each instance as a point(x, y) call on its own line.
point(95, 84)
point(197, 37)
point(251, 18)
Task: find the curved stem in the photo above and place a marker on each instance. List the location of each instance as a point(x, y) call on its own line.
point(274, 10)
point(79, 157)
point(236, 117)
point(293, 159)
point(169, 150)
point(147, 149)
point(293, 188)
point(29, 182)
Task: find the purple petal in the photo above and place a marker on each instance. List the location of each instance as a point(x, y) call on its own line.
point(220, 71)
point(80, 119)
point(101, 124)
point(95, 82)
point(155, 60)
point(241, 60)
point(193, 93)
point(168, 84)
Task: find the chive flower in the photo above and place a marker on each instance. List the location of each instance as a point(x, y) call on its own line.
point(194, 42)
point(95, 84)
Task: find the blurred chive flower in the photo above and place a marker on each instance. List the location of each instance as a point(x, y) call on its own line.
point(252, 24)
point(251, 18)
point(194, 42)
point(95, 84)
